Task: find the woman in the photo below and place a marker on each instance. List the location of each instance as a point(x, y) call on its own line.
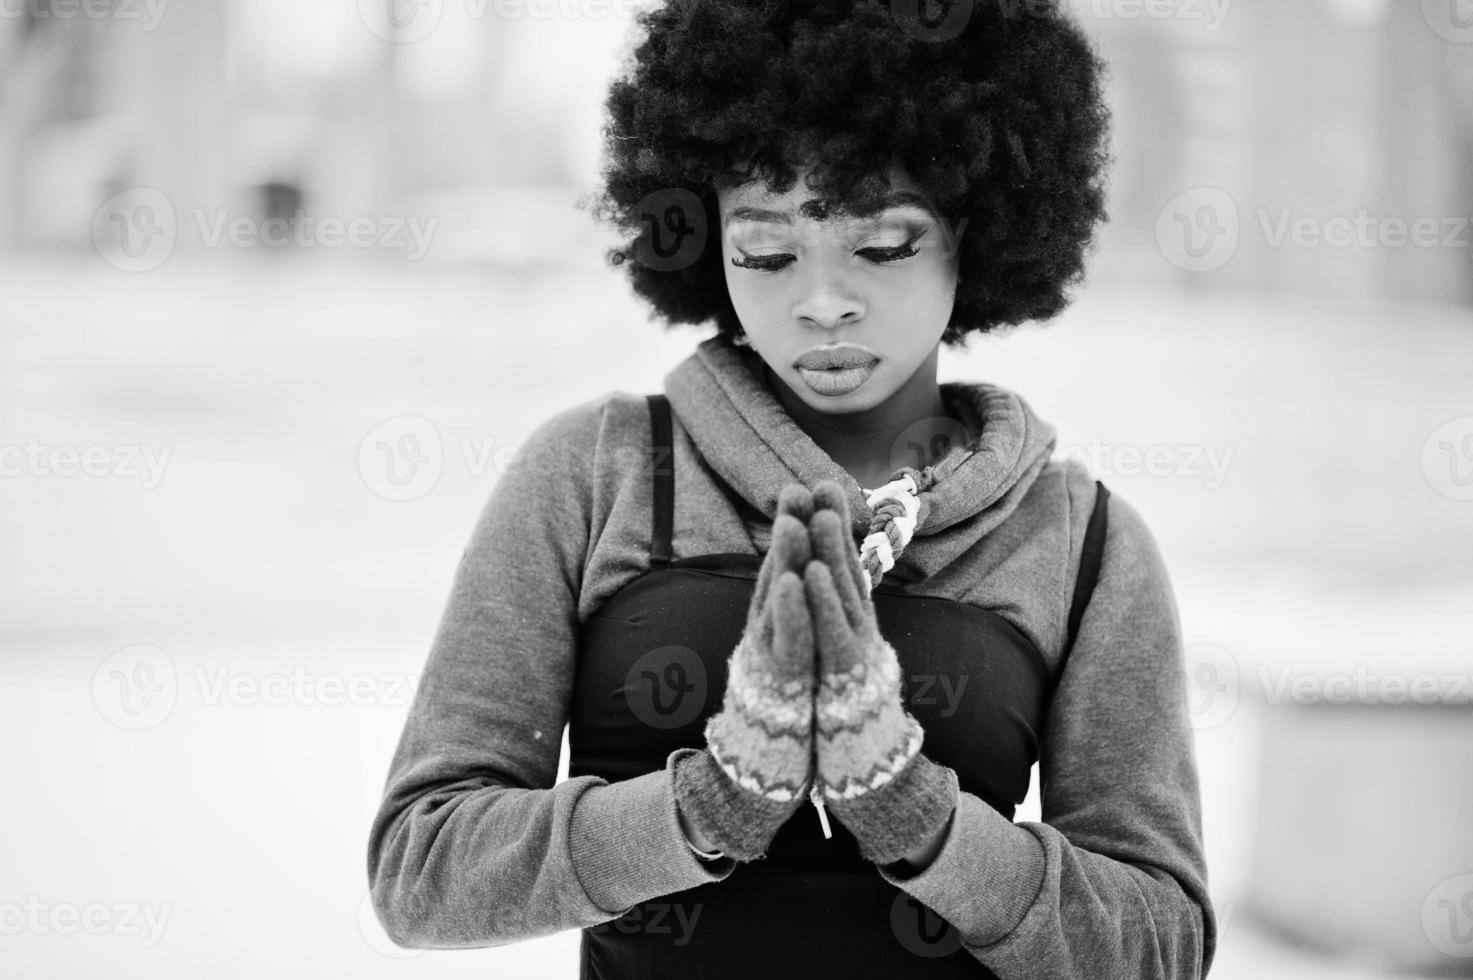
point(807, 572)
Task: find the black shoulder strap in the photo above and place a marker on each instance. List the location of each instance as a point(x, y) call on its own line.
point(662, 466)
point(1089, 567)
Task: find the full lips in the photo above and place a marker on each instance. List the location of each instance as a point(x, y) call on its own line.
point(837, 381)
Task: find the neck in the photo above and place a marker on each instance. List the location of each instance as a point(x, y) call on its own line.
point(865, 442)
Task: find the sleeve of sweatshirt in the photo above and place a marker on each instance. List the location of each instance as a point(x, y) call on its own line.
point(1113, 882)
point(473, 844)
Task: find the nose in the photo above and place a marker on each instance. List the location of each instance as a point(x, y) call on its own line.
point(827, 296)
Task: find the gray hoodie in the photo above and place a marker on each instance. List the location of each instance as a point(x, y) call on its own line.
point(476, 844)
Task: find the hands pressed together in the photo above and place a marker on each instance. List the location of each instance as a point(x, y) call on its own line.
point(813, 700)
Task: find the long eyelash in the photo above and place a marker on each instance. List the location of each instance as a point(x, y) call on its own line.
point(772, 263)
point(762, 263)
point(893, 254)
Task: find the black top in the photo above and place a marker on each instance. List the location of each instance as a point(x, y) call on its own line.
point(651, 670)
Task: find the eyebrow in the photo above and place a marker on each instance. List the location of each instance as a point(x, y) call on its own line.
point(895, 199)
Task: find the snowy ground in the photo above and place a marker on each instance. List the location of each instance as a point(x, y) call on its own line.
point(267, 548)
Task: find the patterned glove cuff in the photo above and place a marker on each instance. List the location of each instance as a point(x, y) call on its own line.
point(904, 814)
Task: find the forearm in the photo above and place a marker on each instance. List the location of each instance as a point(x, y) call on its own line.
point(481, 865)
point(1006, 886)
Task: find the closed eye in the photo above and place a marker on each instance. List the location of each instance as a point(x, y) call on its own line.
point(879, 256)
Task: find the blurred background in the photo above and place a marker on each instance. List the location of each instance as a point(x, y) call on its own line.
point(283, 284)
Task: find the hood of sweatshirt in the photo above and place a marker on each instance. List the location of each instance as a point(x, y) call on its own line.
point(721, 398)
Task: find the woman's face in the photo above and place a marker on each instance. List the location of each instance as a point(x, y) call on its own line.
point(882, 287)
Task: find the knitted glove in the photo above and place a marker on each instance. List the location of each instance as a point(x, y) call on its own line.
point(879, 784)
point(758, 761)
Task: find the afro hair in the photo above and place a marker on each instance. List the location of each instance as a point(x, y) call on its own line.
point(995, 108)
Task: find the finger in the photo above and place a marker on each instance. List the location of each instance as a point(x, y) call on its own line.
point(829, 495)
point(792, 644)
point(833, 547)
point(797, 500)
point(789, 550)
point(834, 638)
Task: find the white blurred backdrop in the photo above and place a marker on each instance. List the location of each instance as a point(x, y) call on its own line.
point(218, 594)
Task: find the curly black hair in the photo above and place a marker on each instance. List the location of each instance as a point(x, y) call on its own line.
point(996, 109)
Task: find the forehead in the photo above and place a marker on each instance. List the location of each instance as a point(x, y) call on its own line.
point(758, 204)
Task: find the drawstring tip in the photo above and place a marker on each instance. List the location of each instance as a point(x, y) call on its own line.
point(816, 795)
